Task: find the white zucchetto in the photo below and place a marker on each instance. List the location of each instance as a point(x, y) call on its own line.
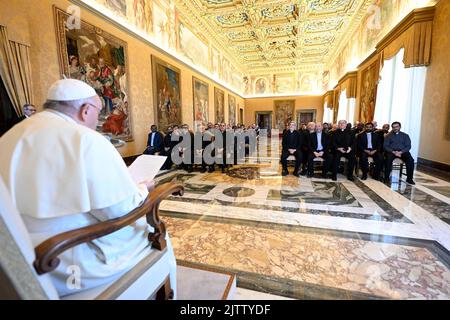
point(69, 90)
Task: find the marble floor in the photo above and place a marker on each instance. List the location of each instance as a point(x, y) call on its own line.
point(302, 238)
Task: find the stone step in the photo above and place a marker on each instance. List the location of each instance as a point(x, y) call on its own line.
point(194, 283)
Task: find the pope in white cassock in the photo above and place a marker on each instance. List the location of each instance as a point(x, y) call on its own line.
point(63, 175)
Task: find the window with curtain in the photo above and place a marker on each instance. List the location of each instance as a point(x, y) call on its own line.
point(400, 97)
point(346, 110)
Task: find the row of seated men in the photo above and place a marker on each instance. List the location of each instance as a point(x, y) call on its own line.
point(207, 143)
point(351, 144)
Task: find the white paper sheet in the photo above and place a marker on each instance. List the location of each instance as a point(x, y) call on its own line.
point(146, 167)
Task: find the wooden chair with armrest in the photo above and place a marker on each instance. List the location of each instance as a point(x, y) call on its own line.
point(24, 270)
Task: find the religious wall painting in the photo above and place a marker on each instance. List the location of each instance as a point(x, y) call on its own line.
point(167, 93)
point(236, 79)
point(261, 86)
point(369, 81)
point(219, 105)
point(284, 83)
point(226, 70)
point(100, 59)
point(190, 46)
point(215, 61)
point(118, 7)
point(325, 80)
point(201, 101)
point(140, 14)
point(306, 84)
point(284, 113)
point(231, 110)
point(163, 22)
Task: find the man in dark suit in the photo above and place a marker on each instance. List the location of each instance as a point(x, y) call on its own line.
point(318, 147)
point(155, 142)
point(310, 128)
point(28, 111)
point(168, 147)
point(397, 145)
point(369, 144)
point(292, 143)
point(343, 145)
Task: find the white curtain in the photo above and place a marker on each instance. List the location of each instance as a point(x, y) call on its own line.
point(346, 109)
point(327, 113)
point(400, 97)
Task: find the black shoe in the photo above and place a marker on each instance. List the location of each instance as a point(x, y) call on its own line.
point(189, 170)
point(211, 169)
point(334, 178)
point(350, 178)
point(296, 173)
point(364, 177)
point(202, 170)
point(310, 175)
point(303, 173)
point(284, 173)
point(387, 181)
point(410, 181)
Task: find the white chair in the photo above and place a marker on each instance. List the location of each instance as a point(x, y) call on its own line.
point(398, 162)
point(24, 269)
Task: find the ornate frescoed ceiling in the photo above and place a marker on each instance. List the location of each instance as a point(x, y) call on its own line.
point(262, 47)
point(276, 36)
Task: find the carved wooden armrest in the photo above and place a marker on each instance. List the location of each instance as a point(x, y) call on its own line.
point(47, 252)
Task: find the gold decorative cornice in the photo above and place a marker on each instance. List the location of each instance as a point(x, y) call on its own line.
point(415, 16)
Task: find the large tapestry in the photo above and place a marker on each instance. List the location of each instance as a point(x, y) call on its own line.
point(201, 101)
point(231, 110)
point(219, 102)
point(167, 93)
point(98, 58)
point(369, 81)
point(284, 113)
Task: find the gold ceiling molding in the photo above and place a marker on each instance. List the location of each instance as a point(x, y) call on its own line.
point(414, 34)
point(268, 36)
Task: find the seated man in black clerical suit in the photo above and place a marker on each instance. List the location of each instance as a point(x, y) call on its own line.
point(292, 143)
point(319, 147)
point(369, 144)
point(397, 145)
point(168, 147)
point(343, 145)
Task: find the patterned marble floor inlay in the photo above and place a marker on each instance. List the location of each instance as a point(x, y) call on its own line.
point(310, 238)
point(380, 269)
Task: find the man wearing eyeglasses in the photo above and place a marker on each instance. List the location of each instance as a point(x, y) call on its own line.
point(63, 175)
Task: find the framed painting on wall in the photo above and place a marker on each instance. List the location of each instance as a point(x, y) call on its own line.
point(284, 113)
point(231, 110)
point(219, 102)
point(166, 93)
point(201, 101)
point(100, 59)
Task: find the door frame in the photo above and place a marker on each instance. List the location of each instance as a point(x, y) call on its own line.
point(270, 113)
point(313, 111)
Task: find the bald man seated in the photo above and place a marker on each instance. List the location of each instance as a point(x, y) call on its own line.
point(63, 175)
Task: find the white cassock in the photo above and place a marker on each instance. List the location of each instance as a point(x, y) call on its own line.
point(63, 176)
